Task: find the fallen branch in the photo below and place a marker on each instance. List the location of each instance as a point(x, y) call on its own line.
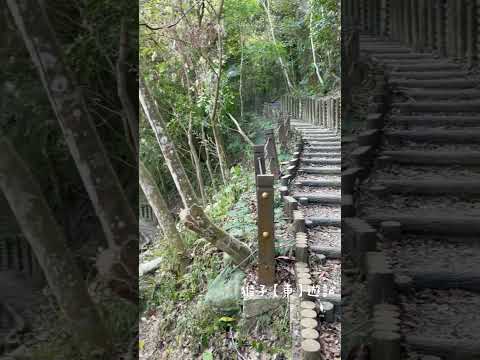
point(194, 219)
point(149, 266)
point(247, 139)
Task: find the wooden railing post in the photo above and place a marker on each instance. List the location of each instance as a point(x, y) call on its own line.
point(259, 159)
point(265, 222)
point(271, 158)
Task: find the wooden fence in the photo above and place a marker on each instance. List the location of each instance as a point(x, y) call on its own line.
point(449, 28)
point(16, 255)
point(324, 111)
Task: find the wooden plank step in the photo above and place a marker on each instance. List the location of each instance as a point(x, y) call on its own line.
point(433, 66)
point(429, 75)
point(320, 144)
point(436, 135)
point(444, 279)
point(436, 106)
point(358, 225)
point(311, 136)
point(389, 49)
point(328, 251)
point(313, 221)
point(319, 198)
point(434, 157)
point(431, 187)
point(425, 61)
point(429, 120)
point(330, 141)
point(427, 222)
point(322, 171)
point(321, 154)
point(316, 148)
point(439, 94)
point(438, 83)
point(322, 161)
point(403, 56)
point(444, 347)
point(319, 183)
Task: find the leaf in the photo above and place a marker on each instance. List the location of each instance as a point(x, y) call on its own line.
point(207, 355)
point(226, 319)
point(141, 344)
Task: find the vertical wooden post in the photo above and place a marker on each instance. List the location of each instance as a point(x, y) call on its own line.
point(271, 153)
point(460, 26)
point(470, 31)
point(3, 255)
point(266, 247)
point(259, 159)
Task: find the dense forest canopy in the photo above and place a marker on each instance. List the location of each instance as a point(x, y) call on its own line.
point(206, 60)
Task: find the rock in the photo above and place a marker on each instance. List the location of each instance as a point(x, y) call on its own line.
point(224, 294)
point(258, 305)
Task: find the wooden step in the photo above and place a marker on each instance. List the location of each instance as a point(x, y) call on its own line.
point(436, 135)
point(428, 222)
point(439, 107)
point(313, 221)
point(430, 120)
point(321, 154)
point(416, 66)
point(328, 251)
point(439, 94)
point(443, 279)
point(439, 83)
point(386, 50)
point(432, 187)
point(321, 161)
point(444, 347)
point(316, 148)
point(314, 140)
point(319, 183)
point(319, 198)
point(404, 56)
point(311, 136)
point(322, 171)
point(429, 75)
point(318, 145)
point(419, 157)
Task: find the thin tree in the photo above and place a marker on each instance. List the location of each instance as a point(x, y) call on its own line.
point(49, 245)
point(169, 151)
point(266, 7)
point(215, 114)
point(160, 208)
point(314, 55)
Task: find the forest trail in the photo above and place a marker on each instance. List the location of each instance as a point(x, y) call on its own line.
point(318, 248)
point(422, 193)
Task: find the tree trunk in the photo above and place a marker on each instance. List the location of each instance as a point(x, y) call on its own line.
point(195, 219)
point(118, 220)
point(49, 245)
point(207, 157)
point(160, 208)
point(240, 87)
point(193, 149)
point(215, 114)
point(152, 113)
point(196, 162)
point(266, 6)
point(314, 55)
point(131, 113)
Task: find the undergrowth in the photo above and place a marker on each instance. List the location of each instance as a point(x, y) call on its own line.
point(189, 326)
